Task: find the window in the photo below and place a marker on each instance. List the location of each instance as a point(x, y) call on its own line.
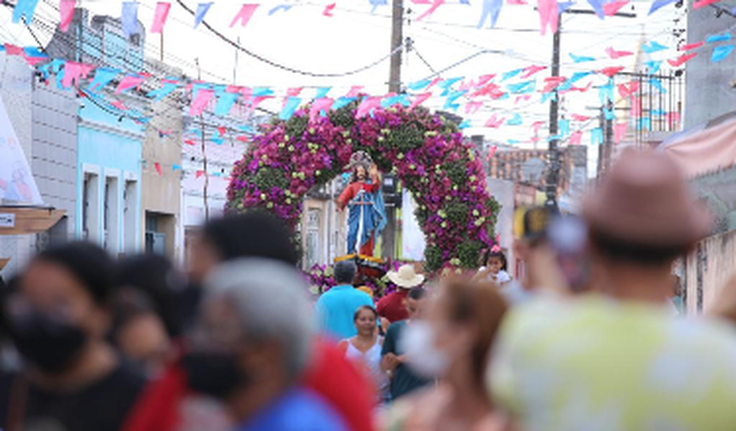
point(313, 224)
point(130, 212)
point(111, 224)
point(91, 207)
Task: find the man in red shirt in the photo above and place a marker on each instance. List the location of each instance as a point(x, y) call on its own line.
point(393, 306)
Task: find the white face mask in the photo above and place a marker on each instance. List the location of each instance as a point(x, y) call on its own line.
point(423, 357)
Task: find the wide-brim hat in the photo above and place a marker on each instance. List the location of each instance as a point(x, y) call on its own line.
point(406, 277)
point(644, 200)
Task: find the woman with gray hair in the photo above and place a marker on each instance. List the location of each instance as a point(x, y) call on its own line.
point(251, 345)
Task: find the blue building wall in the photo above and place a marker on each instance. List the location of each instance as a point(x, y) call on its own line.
point(110, 148)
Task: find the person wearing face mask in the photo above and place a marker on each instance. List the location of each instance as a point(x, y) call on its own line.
point(403, 379)
point(251, 346)
point(171, 404)
point(57, 319)
point(453, 345)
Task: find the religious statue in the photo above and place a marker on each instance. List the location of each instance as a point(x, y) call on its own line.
point(367, 212)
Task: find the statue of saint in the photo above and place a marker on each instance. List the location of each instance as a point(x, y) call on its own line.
point(367, 212)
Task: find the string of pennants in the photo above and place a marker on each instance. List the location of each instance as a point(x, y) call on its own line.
point(548, 10)
point(520, 84)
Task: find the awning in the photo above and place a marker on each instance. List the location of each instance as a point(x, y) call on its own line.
point(706, 148)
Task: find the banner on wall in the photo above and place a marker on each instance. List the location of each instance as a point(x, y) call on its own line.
point(17, 186)
point(412, 237)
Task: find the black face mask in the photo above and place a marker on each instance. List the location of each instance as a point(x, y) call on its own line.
point(217, 375)
point(46, 343)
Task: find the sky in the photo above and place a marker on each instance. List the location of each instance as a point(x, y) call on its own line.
point(448, 41)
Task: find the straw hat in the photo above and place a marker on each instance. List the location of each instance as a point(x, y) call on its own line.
point(644, 200)
point(406, 277)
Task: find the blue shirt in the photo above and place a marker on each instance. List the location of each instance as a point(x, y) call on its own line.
point(297, 410)
point(335, 309)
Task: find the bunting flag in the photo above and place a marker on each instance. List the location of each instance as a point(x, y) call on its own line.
point(619, 132)
point(225, 102)
point(367, 106)
point(659, 4)
point(564, 126)
point(523, 87)
point(24, 9)
point(627, 90)
point(656, 83)
point(684, 58)
point(202, 10)
point(166, 89)
point(491, 11)
point(691, 46)
point(129, 18)
point(532, 70)
point(473, 107)
point(128, 82)
point(320, 107)
point(653, 66)
point(281, 7)
point(160, 16)
point(718, 38)
point(515, 121)
point(575, 138)
point(644, 123)
point(495, 122)
point(66, 14)
point(613, 54)
point(74, 73)
point(597, 6)
point(596, 136)
point(652, 47)
point(578, 117)
point(157, 166)
point(720, 53)
point(703, 3)
point(492, 151)
point(420, 98)
point(175, 167)
point(322, 92)
point(580, 59)
point(612, 8)
point(611, 71)
point(536, 126)
point(548, 15)
point(245, 14)
point(200, 101)
point(435, 4)
point(563, 7)
point(328, 10)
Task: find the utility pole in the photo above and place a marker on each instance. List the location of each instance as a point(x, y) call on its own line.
point(553, 154)
point(554, 157)
point(204, 154)
point(388, 248)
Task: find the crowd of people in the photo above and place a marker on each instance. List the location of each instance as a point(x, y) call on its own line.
point(589, 337)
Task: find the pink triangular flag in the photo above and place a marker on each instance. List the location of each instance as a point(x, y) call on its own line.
point(13, 49)
point(66, 12)
point(354, 91)
point(495, 121)
point(516, 2)
point(537, 125)
point(611, 9)
point(245, 14)
point(472, 107)
point(368, 105)
point(492, 151)
point(129, 82)
point(200, 102)
point(420, 98)
point(318, 106)
point(484, 79)
point(294, 91)
point(159, 18)
point(199, 174)
point(431, 10)
point(531, 70)
point(575, 138)
point(74, 72)
point(119, 104)
point(157, 165)
point(578, 117)
point(328, 10)
point(549, 15)
point(684, 58)
point(703, 3)
point(619, 132)
point(617, 54)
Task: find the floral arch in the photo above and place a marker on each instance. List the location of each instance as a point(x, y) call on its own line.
point(428, 154)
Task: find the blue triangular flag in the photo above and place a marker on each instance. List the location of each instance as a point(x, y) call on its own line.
point(129, 18)
point(24, 9)
point(202, 10)
point(659, 4)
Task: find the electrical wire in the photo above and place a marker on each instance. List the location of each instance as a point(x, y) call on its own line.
point(272, 63)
